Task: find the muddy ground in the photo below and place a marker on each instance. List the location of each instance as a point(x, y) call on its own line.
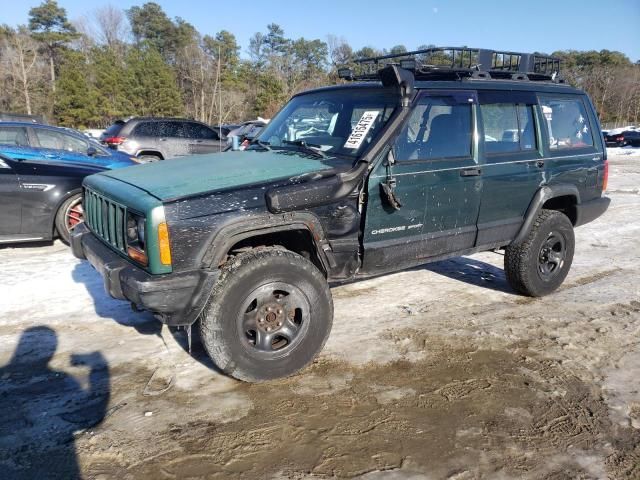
point(436, 372)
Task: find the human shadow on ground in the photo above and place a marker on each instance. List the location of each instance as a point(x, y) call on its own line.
point(43, 409)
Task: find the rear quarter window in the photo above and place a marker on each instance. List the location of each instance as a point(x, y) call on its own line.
point(567, 122)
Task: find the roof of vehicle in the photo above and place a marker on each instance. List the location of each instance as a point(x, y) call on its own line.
point(160, 119)
point(47, 127)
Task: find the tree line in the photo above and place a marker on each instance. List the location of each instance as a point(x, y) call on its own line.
point(115, 63)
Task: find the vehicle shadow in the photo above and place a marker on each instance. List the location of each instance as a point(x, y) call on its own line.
point(473, 272)
point(107, 307)
point(43, 409)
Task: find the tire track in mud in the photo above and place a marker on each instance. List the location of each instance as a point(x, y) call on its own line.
point(510, 413)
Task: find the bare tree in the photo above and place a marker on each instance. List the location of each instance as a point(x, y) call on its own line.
point(20, 58)
point(112, 27)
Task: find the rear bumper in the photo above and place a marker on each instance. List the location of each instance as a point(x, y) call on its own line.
point(588, 211)
point(175, 298)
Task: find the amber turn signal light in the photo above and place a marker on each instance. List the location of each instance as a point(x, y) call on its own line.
point(137, 255)
point(163, 243)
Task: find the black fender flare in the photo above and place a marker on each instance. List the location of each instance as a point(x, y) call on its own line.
point(265, 223)
point(541, 196)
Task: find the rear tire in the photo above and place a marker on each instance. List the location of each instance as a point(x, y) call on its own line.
point(269, 315)
point(538, 265)
point(68, 216)
point(149, 158)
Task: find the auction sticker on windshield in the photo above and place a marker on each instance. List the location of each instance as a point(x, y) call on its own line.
point(361, 129)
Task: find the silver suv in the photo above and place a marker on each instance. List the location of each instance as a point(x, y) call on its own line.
point(152, 139)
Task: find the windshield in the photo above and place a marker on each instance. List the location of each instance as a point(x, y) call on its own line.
point(335, 122)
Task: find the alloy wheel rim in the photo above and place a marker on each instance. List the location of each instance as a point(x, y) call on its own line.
point(74, 214)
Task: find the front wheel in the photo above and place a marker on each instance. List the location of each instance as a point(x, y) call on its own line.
point(538, 265)
point(68, 216)
point(269, 315)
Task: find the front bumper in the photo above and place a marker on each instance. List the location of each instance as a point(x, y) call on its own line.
point(588, 211)
point(175, 298)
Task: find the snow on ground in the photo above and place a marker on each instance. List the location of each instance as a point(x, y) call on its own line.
point(434, 372)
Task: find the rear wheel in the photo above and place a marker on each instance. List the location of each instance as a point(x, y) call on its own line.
point(149, 158)
point(68, 216)
point(538, 265)
point(269, 315)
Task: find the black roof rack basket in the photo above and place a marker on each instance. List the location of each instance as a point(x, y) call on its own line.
point(459, 62)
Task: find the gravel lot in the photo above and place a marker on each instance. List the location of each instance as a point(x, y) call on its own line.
point(436, 372)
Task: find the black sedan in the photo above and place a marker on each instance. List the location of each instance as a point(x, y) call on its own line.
point(40, 200)
point(622, 139)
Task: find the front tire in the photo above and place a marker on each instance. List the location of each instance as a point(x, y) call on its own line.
point(68, 216)
point(538, 265)
point(269, 315)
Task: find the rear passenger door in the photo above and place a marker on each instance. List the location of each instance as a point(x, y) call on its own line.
point(201, 139)
point(512, 163)
point(437, 180)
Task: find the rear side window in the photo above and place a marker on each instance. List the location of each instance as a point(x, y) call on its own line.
point(567, 122)
point(508, 127)
point(16, 136)
point(439, 127)
point(60, 141)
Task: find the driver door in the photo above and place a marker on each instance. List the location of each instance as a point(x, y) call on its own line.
point(423, 201)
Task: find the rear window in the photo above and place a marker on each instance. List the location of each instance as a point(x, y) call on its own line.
point(567, 122)
point(113, 130)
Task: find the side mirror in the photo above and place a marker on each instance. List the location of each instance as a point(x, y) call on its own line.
point(92, 151)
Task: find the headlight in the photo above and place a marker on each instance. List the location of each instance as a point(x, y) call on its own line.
point(135, 230)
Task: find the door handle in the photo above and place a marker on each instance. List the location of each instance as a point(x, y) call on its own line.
point(470, 172)
point(540, 163)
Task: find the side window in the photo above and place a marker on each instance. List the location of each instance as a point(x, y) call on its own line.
point(16, 136)
point(73, 144)
point(508, 127)
point(49, 139)
point(146, 129)
point(200, 132)
point(171, 129)
point(439, 127)
point(567, 123)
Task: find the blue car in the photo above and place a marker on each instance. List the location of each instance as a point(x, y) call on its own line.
point(34, 141)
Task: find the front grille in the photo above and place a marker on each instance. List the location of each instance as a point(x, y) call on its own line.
point(106, 218)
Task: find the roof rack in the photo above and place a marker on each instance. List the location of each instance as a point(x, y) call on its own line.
point(455, 63)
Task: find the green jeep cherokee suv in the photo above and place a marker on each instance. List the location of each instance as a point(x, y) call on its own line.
point(413, 163)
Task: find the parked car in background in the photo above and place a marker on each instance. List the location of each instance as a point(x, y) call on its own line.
point(152, 139)
point(21, 117)
point(93, 133)
point(37, 142)
point(246, 132)
point(622, 139)
point(40, 199)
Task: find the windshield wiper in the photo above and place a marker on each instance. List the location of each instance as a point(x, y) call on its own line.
point(307, 147)
point(262, 144)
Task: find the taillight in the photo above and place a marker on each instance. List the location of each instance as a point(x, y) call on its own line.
point(114, 140)
point(619, 139)
point(605, 177)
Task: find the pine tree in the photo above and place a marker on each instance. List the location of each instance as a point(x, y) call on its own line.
point(76, 98)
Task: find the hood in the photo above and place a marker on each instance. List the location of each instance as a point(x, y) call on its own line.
point(187, 176)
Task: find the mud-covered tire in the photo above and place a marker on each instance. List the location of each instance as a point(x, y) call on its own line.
point(62, 223)
point(529, 265)
point(292, 298)
point(149, 158)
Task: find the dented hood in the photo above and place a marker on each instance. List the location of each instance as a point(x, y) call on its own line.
point(186, 176)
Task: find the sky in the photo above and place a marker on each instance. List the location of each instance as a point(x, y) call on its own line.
point(516, 25)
